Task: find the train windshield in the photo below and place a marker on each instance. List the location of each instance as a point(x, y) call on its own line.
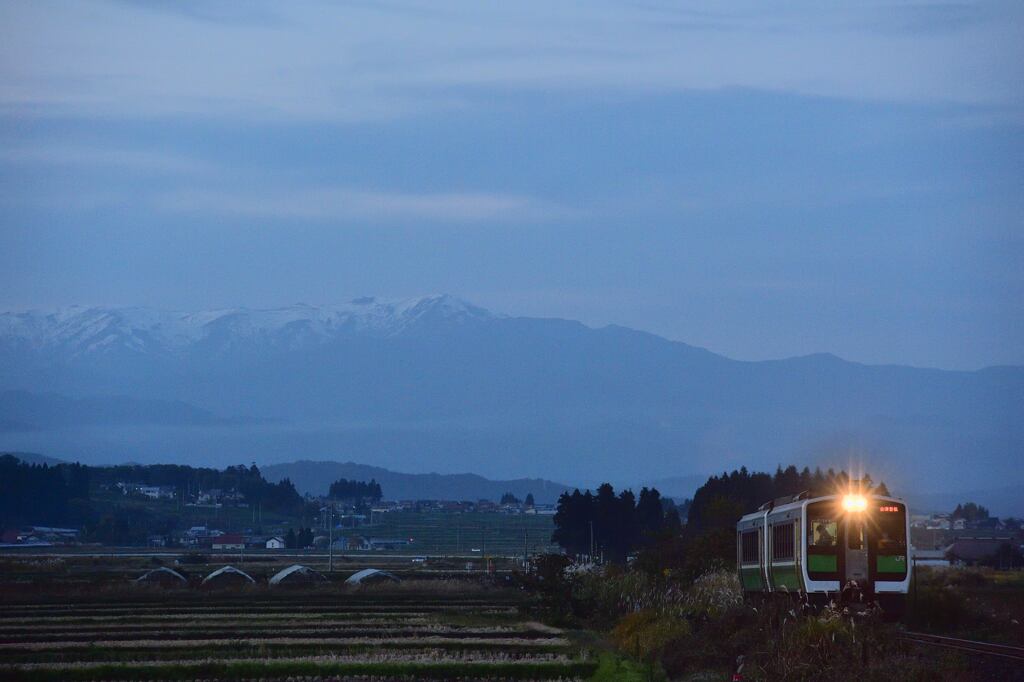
point(891, 530)
point(888, 538)
point(823, 532)
point(822, 541)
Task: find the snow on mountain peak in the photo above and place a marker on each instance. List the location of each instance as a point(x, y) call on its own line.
point(85, 330)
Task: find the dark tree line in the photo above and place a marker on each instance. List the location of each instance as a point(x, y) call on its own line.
point(612, 525)
point(344, 489)
point(971, 511)
point(41, 494)
point(510, 498)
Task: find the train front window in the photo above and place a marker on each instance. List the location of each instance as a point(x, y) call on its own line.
point(823, 532)
point(888, 541)
point(890, 537)
point(822, 541)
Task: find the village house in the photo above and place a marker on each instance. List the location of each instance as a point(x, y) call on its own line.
point(229, 541)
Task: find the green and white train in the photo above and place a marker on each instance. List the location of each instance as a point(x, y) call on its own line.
point(848, 548)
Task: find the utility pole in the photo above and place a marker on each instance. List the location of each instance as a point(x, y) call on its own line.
point(591, 541)
point(330, 538)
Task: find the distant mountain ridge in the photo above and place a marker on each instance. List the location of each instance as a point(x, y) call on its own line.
point(34, 458)
point(316, 477)
point(440, 381)
point(23, 410)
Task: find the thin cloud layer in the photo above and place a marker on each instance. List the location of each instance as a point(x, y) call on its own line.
point(348, 204)
point(362, 61)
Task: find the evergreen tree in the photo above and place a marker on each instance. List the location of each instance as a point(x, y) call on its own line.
point(573, 516)
point(626, 531)
point(304, 538)
point(344, 489)
point(649, 511)
point(673, 524)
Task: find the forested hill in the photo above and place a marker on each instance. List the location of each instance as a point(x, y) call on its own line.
point(33, 493)
point(314, 478)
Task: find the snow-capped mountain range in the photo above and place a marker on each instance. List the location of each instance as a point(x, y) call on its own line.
point(79, 330)
point(438, 382)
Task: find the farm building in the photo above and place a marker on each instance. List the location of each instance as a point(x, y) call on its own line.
point(164, 576)
point(228, 576)
point(997, 552)
point(276, 543)
point(297, 574)
point(370, 576)
point(229, 541)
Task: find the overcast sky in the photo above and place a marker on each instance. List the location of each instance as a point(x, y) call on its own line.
point(763, 181)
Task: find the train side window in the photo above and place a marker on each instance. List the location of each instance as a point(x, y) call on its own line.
point(751, 555)
point(782, 542)
point(823, 532)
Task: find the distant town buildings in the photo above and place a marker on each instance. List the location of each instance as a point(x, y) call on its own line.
point(153, 492)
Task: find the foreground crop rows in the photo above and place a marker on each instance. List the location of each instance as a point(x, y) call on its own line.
point(247, 635)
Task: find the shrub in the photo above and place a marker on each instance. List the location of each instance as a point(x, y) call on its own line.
point(936, 607)
point(645, 633)
point(613, 669)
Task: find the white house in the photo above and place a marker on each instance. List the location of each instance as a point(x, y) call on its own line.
point(276, 543)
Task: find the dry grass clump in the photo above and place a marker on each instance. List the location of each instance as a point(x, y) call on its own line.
point(713, 594)
point(617, 593)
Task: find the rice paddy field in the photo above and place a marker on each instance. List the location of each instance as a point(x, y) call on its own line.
point(411, 630)
point(82, 617)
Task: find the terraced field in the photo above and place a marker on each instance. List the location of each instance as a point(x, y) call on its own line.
point(378, 634)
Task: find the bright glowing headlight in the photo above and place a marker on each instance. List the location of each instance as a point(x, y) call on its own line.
point(855, 503)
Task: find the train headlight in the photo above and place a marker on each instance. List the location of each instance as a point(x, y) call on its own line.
point(855, 503)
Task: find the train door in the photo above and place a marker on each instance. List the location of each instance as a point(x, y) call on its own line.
point(856, 551)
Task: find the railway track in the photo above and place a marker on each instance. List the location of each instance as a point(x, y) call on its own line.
point(1005, 651)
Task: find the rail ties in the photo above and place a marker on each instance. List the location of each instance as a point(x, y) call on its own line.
point(1015, 653)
